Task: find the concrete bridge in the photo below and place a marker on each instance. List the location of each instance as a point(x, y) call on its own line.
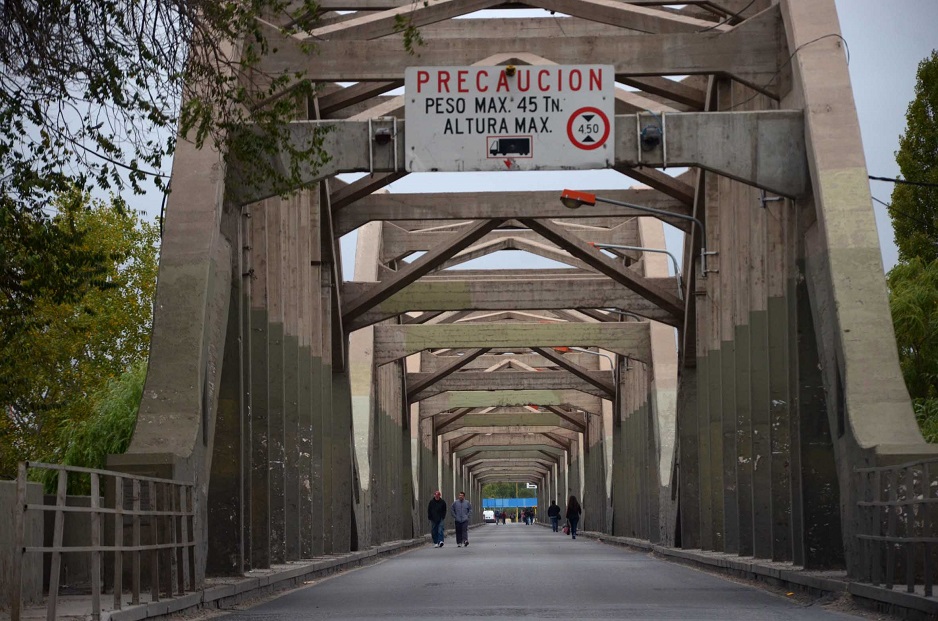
point(752, 406)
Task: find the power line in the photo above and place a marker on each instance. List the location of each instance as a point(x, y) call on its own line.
point(729, 19)
point(895, 212)
point(788, 62)
point(920, 184)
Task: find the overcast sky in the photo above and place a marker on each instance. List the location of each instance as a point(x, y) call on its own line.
point(887, 41)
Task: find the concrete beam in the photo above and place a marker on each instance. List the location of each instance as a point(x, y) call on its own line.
point(507, 205)
point(499, 398)
point(762, 148)
point(502, 418)
point(510, 451)
point(393, 342)
point(530, 380)
point(399, 243)
point(375, 25)
point(748, 53)
point(432, 294)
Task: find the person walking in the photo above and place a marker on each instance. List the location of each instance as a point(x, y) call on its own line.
point(573, 514)
point(462, 511)
point(436, 513)
point(553, 512)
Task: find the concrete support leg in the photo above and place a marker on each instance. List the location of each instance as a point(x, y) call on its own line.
point(689, 461)
point(275, 297)
point(291, 347)
point(821, 546)
point(260, 389)
point(226, 503)
point(342, 464)
point(780, 408)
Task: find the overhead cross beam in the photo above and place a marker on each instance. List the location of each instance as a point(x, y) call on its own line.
point(749, 53)
point(393, 342)
point(453, 292)
point(600, 381)
point(425, 264)
point(600, 262)
point(763, 148)
point(417, 382)
point(530, 380)
point(398, 207)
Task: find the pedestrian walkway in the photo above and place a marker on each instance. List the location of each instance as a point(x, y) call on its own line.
point(531, 572)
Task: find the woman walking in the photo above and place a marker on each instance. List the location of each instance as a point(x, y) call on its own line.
point(573, 514)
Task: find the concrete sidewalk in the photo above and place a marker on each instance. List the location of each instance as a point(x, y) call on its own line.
point(220, 593)
point(894, 601)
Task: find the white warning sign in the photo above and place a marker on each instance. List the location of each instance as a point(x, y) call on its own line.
point(509, 118)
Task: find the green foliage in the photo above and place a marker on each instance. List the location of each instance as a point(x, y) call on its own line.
point(92, 93)
point(66, 344)
point(913, 282)
point(914, 208)
point(507, 490)
point(107, 431)
point(404, 24)
point(926, 412)
point(913, 300)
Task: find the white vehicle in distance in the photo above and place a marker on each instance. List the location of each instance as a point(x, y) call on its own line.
point(488, 516)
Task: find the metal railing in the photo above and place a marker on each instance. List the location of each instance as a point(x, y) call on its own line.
point(156, 515)
point(898, 523)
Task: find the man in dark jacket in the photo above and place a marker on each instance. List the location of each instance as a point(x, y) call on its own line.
point(436, 513)
point(553, 512)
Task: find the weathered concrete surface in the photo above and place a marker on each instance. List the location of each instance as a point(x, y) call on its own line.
point(641, 587)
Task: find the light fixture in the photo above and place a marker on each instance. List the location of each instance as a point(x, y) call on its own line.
point(574, 199)
point(677, 268)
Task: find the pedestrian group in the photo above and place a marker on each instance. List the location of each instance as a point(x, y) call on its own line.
point(462, 512)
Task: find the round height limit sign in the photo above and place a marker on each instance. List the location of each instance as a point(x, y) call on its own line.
point(588, 128)
point(509, 118)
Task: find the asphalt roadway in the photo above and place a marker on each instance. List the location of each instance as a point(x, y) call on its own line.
point(518, 571)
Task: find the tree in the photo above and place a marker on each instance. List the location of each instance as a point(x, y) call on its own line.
point(93, 94)
point(507, 490)
point(107, 431)
point(914, 208)
point(913, 300)
point(64, 349)
point(913, 282)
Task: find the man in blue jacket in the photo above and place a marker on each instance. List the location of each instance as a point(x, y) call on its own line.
point(462, 511)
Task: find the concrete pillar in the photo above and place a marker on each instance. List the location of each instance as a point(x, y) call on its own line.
point(305, 272)
point(327, 436)
point(318, 371)
point(816, 494)
point(759, 406)
point(260, 371)
point(275, 214)
point(291, 414)
point(689, 462)
point(743, 207)
point(342, 463)
point(721, 223)
point(226, 503)
point(780, 408)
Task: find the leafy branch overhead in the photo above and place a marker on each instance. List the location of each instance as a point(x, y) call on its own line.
point(93, 93)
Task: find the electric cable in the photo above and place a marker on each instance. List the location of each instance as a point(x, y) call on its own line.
point(728, 19)
point(788, 62)
point(921, 184)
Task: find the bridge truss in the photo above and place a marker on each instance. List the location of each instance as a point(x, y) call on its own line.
point(724, 410)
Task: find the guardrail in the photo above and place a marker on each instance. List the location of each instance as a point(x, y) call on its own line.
point(898, 524)
point(158, 513)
